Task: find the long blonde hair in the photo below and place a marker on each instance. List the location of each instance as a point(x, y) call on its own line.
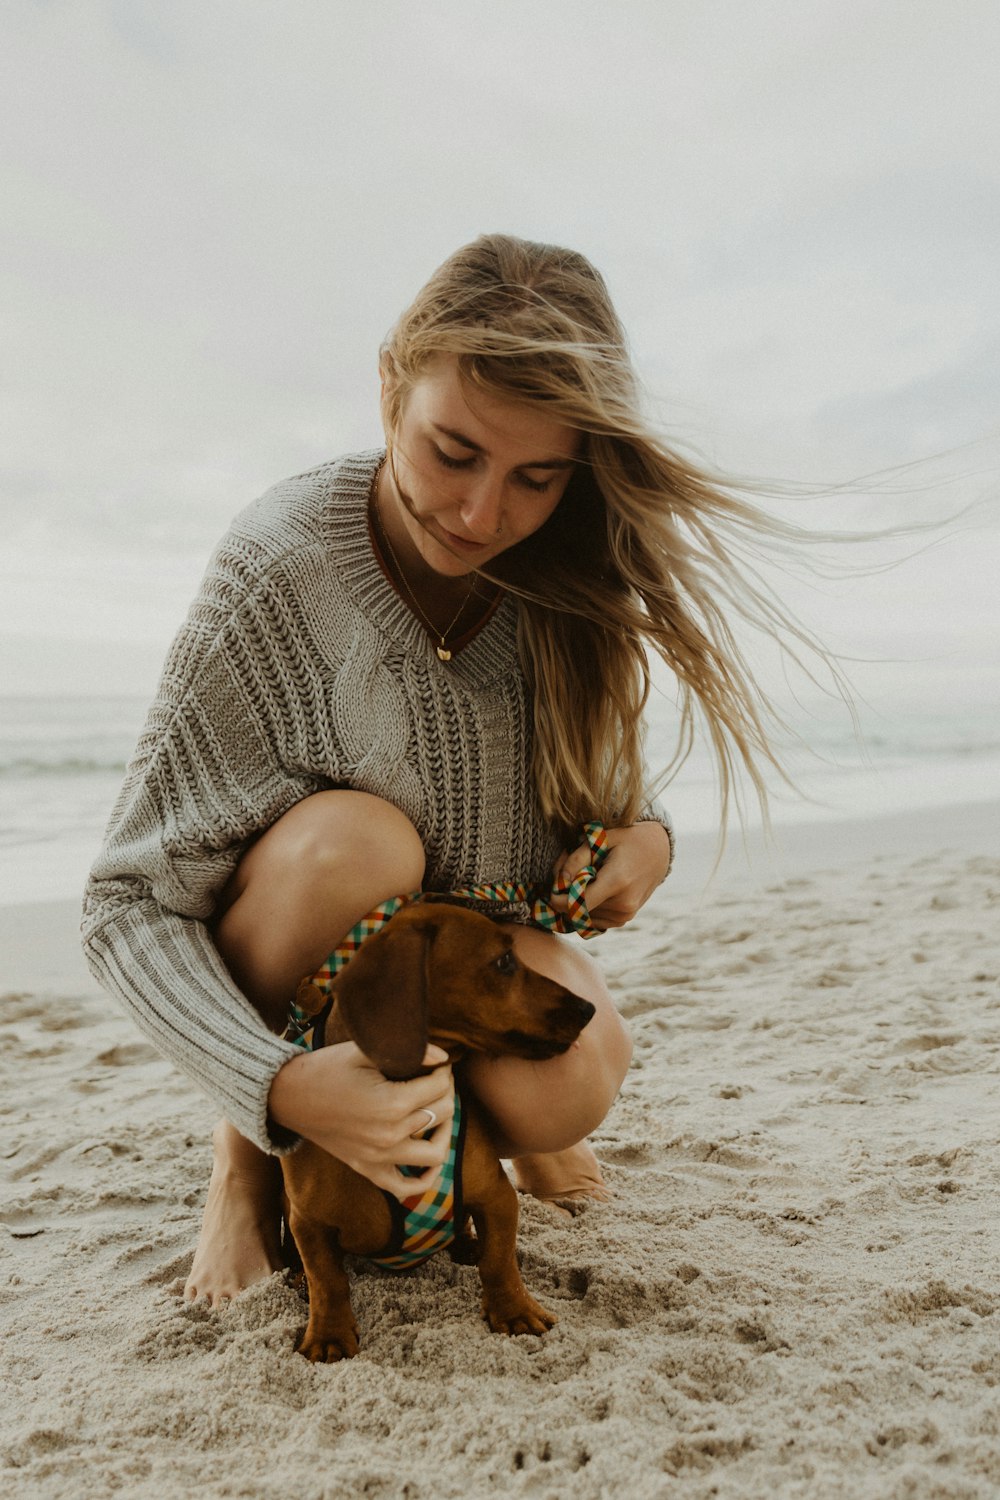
point(644, 549)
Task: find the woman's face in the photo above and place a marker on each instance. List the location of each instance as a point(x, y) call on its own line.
point(477, 472)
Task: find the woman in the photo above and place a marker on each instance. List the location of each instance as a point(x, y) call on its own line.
point(421, 669)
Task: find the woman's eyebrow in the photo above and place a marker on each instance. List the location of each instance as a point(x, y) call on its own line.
point(467, 442)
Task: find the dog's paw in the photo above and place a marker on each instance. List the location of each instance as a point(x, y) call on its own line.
point(525, 1316)
point(327, 1346)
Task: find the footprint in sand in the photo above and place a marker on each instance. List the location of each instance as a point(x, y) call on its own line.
point(929, 1041)
point(714, 1153)
point(935, 1299)
point(123, 1054)
point(627, 1154)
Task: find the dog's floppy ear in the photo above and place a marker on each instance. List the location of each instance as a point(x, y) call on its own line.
point(382, 998)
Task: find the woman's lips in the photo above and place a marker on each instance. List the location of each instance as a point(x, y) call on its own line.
point(462, 543)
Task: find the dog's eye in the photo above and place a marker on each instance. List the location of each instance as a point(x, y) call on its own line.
point(506, 963)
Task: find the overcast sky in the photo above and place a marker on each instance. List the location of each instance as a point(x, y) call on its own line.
point(213, 212)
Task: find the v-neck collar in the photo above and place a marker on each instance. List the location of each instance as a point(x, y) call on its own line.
point(487, 652)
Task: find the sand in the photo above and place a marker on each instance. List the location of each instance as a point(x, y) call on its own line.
point(794, 1293)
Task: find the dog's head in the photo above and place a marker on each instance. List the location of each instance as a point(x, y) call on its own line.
point(449, 975)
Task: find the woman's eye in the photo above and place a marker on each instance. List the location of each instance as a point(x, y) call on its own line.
point(506, 964)
point(447, 462)
point(538, 485)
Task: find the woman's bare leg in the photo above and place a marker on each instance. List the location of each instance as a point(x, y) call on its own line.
point(543, 1112)
point(290, 900)
point(239, 1241)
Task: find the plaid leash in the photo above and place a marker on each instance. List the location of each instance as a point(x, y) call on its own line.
point(301, 1026)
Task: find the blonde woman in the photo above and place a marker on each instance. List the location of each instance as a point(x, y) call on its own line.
point(422, 668)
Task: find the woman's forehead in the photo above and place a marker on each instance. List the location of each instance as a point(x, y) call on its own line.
point(444, 397)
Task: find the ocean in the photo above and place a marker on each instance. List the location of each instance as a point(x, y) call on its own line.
point(62, 760)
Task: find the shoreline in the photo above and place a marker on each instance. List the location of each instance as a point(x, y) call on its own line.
point(814, 847)
point(39, 943)
point(53, 830)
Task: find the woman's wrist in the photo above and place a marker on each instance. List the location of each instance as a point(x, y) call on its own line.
point(652, 821)
point(285, 1097)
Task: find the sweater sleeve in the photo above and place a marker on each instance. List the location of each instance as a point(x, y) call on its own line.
point(210, 772)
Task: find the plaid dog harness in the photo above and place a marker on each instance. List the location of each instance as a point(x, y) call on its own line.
point(425, 1223)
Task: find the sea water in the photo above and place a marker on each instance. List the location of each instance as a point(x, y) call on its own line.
point(62, 761)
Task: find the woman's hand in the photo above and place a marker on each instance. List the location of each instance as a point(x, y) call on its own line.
point(340, 1100)
point(637, 862)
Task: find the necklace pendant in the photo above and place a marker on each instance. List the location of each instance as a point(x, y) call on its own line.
point(443, 653)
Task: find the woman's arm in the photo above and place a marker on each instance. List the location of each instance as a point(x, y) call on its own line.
point(206, 778)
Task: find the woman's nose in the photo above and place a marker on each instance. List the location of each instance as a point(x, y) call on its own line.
point(483, 506)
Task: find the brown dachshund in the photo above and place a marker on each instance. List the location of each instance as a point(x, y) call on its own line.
point(448, 975)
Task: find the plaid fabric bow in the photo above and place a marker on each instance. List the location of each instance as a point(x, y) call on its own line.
point(543, 914)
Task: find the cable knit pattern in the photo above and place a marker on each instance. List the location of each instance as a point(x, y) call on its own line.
point(298, 668)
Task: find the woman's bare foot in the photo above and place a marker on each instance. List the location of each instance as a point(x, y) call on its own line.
point(554, 1175)
point(239, 1242)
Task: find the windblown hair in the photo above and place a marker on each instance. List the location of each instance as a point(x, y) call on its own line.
point(644, 550)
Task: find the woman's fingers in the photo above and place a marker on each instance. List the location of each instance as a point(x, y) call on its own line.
point(398, 1183)
point(417, 1152)
point(565, 870)
point(606, 894)
point(420, 1098)
point(430, 1118)
point(569, 865)
point(428, 1154)
point(420, 1134)
point(341, 1101)
point(637, 860)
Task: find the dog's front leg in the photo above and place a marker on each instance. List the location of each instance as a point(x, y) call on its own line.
point(508, 1305)
point(331, 1332)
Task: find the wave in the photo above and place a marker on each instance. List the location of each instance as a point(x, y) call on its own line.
point(71, 739)
point(64, 766)
point(68, 737)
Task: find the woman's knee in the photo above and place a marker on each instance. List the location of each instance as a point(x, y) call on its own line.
point(611, 1042)
point(319, 838)
point(304, 884)
point(552, 1105)
point(548, 1106)
point(606, 1040)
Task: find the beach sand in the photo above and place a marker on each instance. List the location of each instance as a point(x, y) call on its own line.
point(794, 1293)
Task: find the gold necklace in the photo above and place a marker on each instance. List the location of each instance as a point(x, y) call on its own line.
point(442, 650)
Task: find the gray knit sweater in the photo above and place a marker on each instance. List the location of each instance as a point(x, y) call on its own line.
point(298, 668)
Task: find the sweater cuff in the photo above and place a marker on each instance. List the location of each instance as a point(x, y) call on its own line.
point(177, 990)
